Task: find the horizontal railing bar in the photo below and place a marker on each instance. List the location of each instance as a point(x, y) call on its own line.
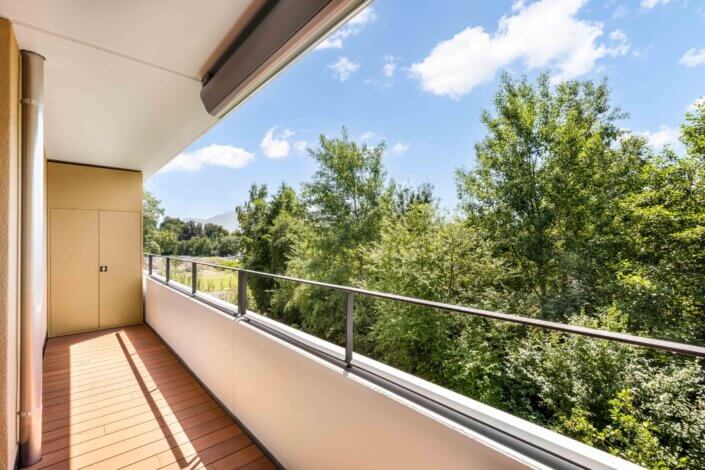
point(664, 345)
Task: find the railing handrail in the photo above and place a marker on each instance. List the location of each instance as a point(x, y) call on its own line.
point(653, 343)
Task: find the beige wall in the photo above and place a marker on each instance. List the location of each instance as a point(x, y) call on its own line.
point(88, 187)
point(9, 231)
point(308, 413)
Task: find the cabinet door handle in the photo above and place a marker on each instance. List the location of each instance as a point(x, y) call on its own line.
point(103, 269)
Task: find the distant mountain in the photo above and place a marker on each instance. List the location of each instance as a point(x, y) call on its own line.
point(227, 220)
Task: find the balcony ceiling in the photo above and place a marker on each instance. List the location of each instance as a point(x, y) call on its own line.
point(123, 77)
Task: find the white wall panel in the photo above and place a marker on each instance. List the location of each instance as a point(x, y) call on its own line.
point(202, 336)
point(308, 413)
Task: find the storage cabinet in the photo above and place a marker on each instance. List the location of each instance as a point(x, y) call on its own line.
point(94, 269)
point(95, 248)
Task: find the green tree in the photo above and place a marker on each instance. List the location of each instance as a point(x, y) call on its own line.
point(191, 229)
point(196, 246)
point(422, 255)
point(345, 198)
point(604, 232)
point(167, 242)
point(693, 131)
point(152, 211)
point(665, 223)
point(229, 245)
point(173, 225)
point(405, 198)
point(268, 231)
point(251, 218)
point(545, 187)
point(554, 376)
point(214, 231)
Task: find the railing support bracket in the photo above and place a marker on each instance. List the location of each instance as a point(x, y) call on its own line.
point(349, 317)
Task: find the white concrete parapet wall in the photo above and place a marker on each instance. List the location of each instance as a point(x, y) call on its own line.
point(311, 414)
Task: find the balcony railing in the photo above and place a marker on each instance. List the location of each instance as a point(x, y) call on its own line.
point(350, 292)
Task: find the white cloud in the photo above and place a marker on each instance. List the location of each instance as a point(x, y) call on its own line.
point(665, 135)
point(343, 68)
point(351, 28)
point(387, 72)
point(694, 105)
point(693, 57)
point(366, 136)
point(214, 155)
point(621, 43)
point(276, 144)
point(518, 5)
point(399, 148)
point(649, 4)
point(300, 146)
point(390, 66)
point(546, 33)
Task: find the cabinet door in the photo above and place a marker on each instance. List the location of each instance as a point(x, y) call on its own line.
point(121, 277)
point(73, 271)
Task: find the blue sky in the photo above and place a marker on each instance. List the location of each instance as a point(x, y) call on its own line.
point(416, 73)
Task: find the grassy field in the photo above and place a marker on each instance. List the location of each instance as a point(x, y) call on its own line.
point(221, 283)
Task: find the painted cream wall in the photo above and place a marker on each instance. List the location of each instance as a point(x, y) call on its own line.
point(87, 187)
point(308, 413)
point(9, 237)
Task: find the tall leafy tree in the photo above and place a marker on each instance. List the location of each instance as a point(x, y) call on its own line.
point(268, 230)
point(544, 188)
point(345, 198)
point(167, 242)
point(666, 226)
point(152, 211)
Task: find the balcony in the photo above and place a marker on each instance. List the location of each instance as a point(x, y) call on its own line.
point(201, 386)
point(105, 366)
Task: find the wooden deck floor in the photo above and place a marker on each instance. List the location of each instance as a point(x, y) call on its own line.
point(120, 399)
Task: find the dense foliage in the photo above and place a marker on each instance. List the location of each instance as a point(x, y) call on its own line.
point(173, 236)
point(563, 216)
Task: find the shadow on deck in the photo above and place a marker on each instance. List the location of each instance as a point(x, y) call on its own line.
point(120, 399)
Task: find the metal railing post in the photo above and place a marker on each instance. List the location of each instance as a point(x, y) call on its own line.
point(168, 268)
point(194, 279)
point(349, 306)
point(241, 292)
point(151, 259)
